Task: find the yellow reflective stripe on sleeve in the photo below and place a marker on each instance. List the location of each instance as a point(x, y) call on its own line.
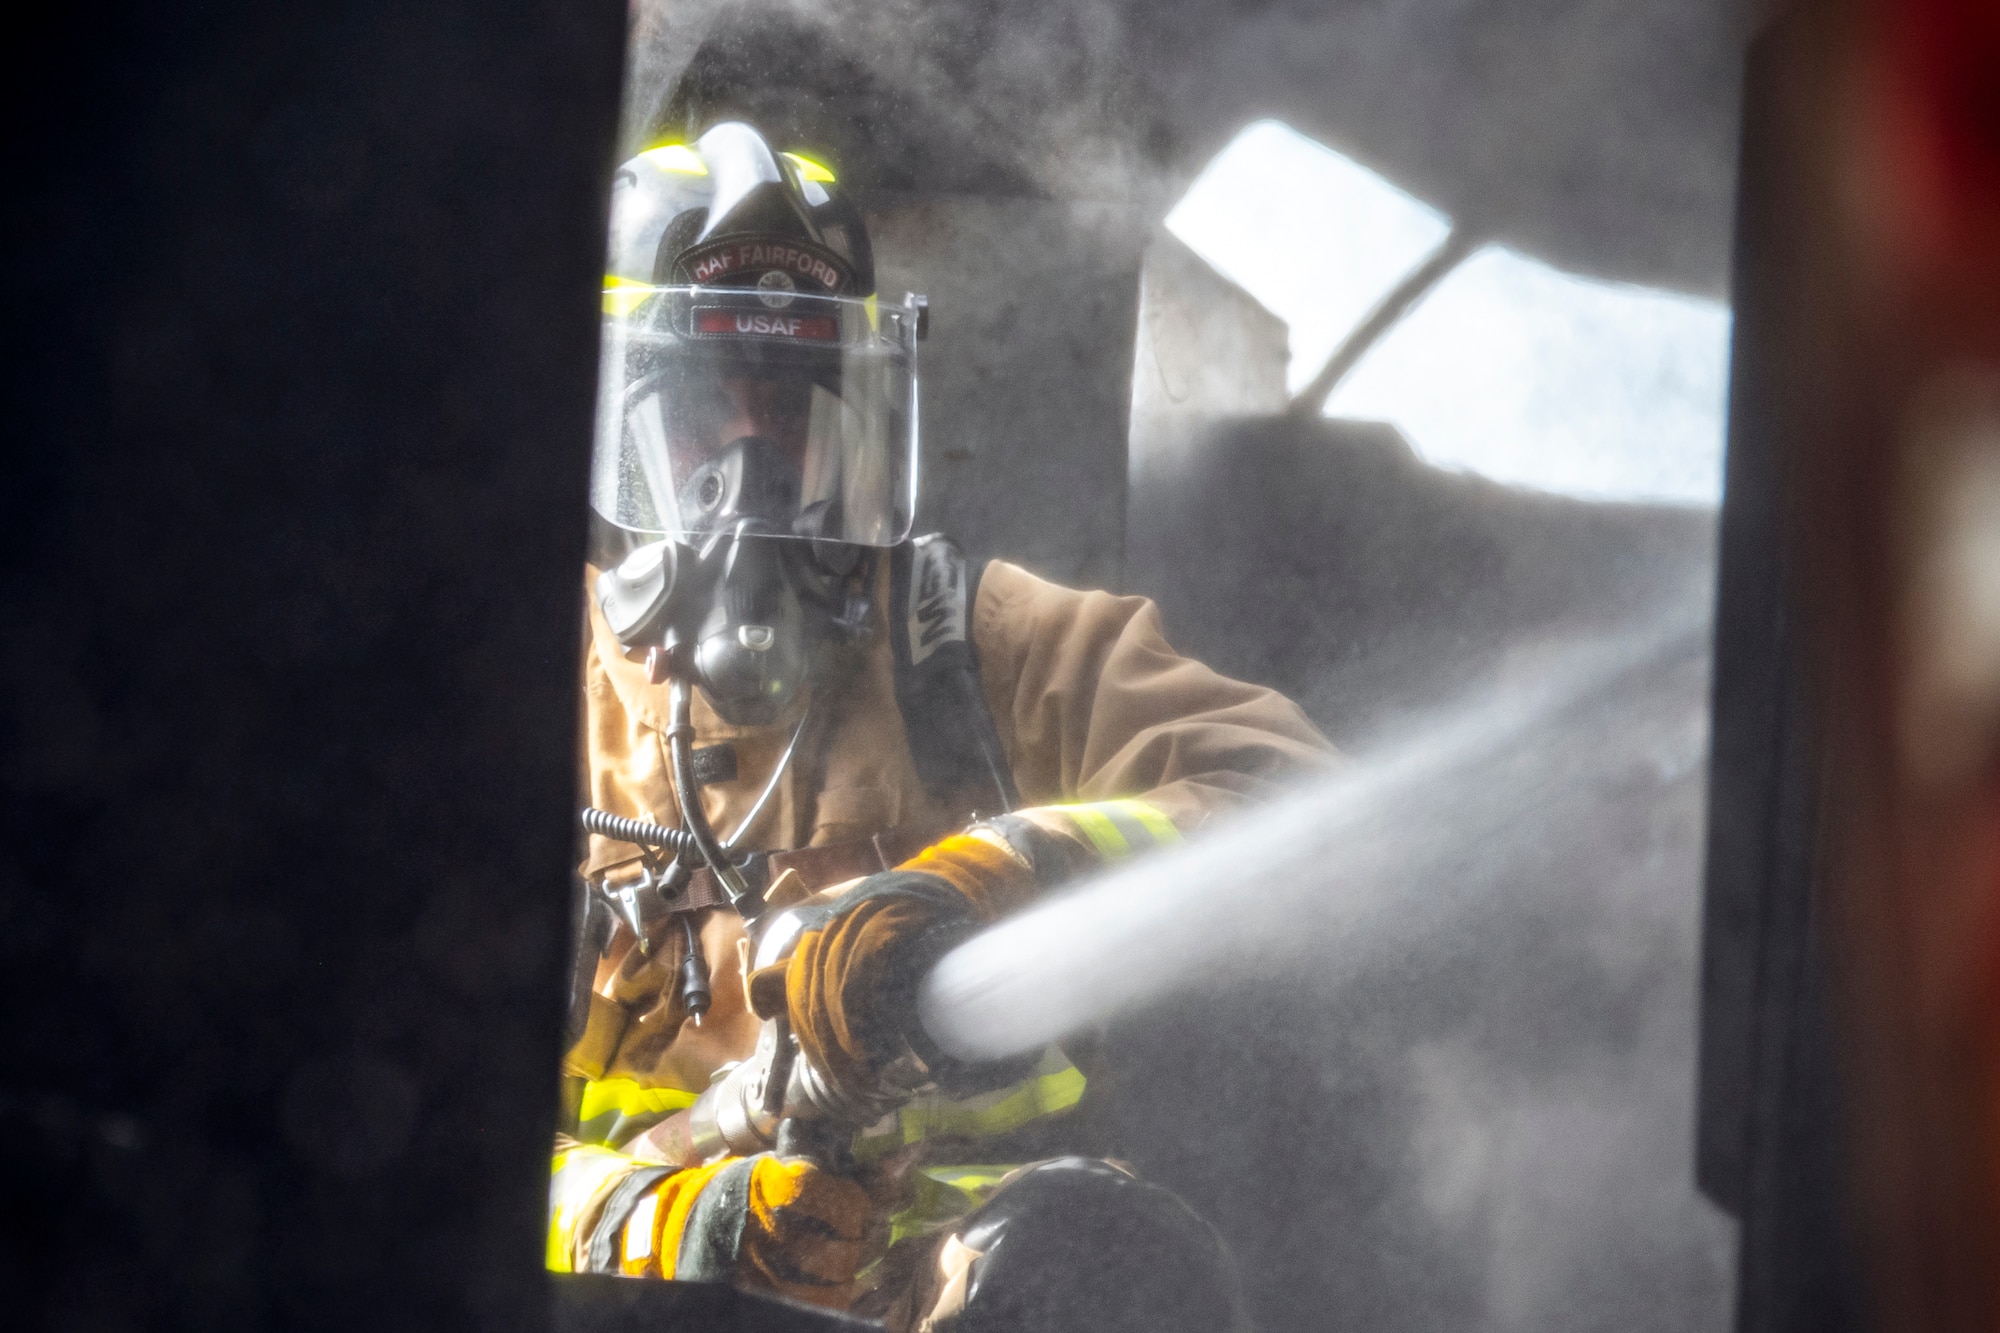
point(1097, 826)
point(624, 1096)
point(1029, 1100)
point(1150, 819)
point(1120, 828)
point(941, 1194)
point(983, 1178)
point(574, 1180)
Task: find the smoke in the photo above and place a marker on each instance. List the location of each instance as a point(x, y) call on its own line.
point(1420, 1039)
point(1598, 134)
point(1352, 876)
point(1017, 97)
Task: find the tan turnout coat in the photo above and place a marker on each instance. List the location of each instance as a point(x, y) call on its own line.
point(1089, 702)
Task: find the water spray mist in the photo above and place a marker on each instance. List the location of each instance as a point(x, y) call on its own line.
point(1352, 870)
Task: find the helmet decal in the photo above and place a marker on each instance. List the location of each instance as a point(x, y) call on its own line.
point(776, 288)
point(749, 260)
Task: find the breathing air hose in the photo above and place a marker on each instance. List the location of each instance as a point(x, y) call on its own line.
point(696, 836)
point(694, 820)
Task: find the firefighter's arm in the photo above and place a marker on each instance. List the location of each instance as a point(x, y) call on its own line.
point(1093, 706)
point(1120, 745)
point(782, 1225)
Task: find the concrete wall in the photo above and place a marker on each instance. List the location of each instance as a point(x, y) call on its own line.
point(1026, 372)
point(1205, 351)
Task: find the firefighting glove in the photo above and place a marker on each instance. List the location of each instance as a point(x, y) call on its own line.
point(850, 987)
point(782, 1225)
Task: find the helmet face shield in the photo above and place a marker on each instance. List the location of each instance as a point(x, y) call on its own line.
point(760, 410)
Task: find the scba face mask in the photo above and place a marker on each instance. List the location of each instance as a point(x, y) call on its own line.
point(754, 597)
point(830, 382)
point(757, 414)
point(756, 452)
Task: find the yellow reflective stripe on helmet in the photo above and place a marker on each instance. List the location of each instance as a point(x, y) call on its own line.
point(622, 295)
point(574, 1180)
point(678, 157)
point(811, 170)
point(625, 1096)
point(1028, 1100)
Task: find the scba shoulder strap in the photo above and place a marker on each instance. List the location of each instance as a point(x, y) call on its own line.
point(951, 734)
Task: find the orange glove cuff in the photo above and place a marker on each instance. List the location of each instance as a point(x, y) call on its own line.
point(807, 1233)
point(994, 880)
point(845, 987)
point(653, 1232)
point(835, 977)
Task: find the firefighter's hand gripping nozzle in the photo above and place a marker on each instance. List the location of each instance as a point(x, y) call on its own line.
point(777, 1101)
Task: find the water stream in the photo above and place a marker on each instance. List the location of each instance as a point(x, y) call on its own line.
point(1366, 866)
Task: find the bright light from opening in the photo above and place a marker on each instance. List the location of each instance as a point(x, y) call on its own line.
point(1510, 368)
point(1316, 238)
point(1527, 375)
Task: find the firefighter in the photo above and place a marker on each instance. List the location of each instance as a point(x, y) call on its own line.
point(795, 712)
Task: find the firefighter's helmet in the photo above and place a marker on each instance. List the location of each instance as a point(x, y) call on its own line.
point(751, 381)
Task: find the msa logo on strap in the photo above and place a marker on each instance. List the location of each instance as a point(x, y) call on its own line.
point(937, 596)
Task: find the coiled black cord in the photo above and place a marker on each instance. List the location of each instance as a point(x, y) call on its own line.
point(620, 829)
